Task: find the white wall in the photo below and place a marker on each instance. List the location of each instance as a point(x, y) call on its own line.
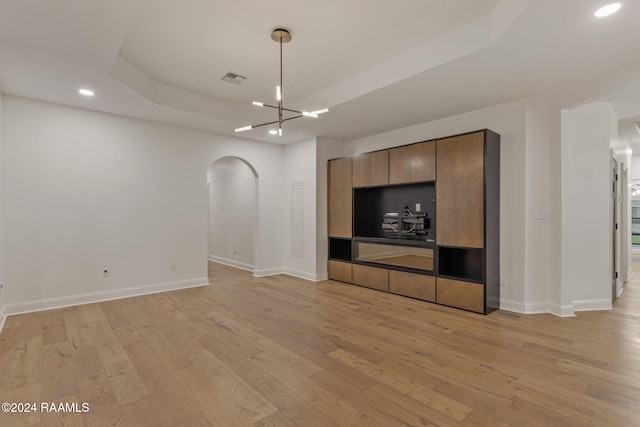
point(509, 120)
point(2, 290)
point(299, 246)
point(537, 293)
point(232, 212)
point(85, 191)
point(586, 194)
point(635, 168)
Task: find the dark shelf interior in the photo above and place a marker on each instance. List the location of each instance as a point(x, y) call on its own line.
point(461, 263)
point(340, 249)
point(372, 203)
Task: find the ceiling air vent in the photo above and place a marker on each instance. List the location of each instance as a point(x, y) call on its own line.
point(234, 78)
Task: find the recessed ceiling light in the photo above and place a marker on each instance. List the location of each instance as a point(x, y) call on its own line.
point(607, 10)
point(273, 132)
point(85, 92)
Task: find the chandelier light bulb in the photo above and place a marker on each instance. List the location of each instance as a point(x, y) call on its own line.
point(607, 10)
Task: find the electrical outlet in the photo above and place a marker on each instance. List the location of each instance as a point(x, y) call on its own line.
point(172, 265)
point(503, 281)
point(105, 273)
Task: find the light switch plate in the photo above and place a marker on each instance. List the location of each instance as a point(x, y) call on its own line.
point(540, 214)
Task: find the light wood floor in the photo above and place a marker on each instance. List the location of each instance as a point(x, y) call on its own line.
point(280, 351)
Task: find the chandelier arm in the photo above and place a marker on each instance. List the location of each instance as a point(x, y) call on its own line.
point(291, 118)
point(283, 109)
point(265, 124)
point(292, 111)
point(270, 106)
point(281, 87)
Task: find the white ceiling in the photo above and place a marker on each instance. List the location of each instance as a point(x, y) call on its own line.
point(378, 65)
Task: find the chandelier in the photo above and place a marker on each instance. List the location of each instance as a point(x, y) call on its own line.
point(281, 36)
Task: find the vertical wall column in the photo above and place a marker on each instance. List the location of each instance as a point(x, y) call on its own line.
point(586, 223)
point(2, 284)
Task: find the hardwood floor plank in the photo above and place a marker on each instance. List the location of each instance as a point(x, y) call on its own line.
point(279, 351)
point(60, 379)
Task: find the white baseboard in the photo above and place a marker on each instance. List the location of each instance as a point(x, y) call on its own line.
point(268, 272)
point(629, 275)
point(537, 308)
point(231, 263)
point(3, 317)
point(562, 310)
point(290, 272)
point(592, 304)
point(71, 300)
point(304, 275)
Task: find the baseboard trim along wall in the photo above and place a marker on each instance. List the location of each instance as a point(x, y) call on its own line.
point(71, 300)
point(268, 272)
point(231, 263)
point(592, 304)
point(290, 272)
point(303, 275)
point(3, 317)
point(537, 308)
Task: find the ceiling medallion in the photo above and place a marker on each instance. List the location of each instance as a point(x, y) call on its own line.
point(281, 36)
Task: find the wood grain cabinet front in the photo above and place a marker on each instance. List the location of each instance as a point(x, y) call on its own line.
point(460, 191)
point(412, 163)
point(465, 295)
point(338, 270)
point(339, 198)
point(412, 285)
point(371, 169)
point(371, 277)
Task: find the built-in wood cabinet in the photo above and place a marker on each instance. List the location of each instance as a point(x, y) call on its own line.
point(371, 169)
point(339, 198)
point(460, 191)
point(459, 294)
point(412, 285)
point(339, 270)
point(451, 188)
point(371, 277)
point(412, 163)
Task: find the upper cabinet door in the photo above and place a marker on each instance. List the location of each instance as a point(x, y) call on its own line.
point(400, 164)
point(339, 200)
point(423, 161)
point(371, 169)
point(412, 163)
point(459, 191)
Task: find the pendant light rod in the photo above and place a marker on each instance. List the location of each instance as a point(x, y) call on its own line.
point(280, 35)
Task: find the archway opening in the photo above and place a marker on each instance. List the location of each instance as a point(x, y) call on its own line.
point(233, 212)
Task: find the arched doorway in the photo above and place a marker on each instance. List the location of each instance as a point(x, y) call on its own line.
point(233, 211)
